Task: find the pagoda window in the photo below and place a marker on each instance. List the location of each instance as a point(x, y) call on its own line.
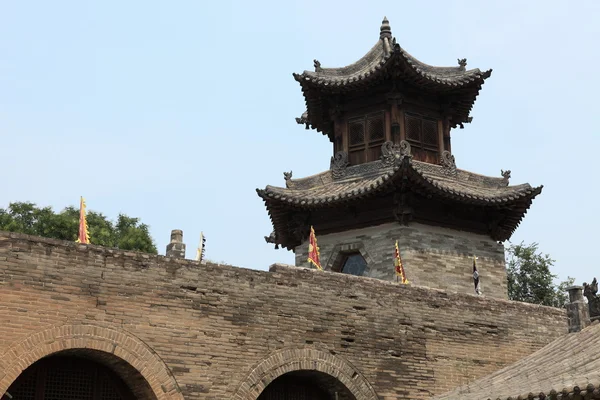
point(423, 136)
point(354, 264)
point(366, 134)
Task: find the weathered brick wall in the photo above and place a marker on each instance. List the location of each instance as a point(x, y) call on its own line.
point(220, 332)
point(434, 257)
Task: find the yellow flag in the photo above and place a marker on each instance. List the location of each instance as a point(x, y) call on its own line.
point(84, 236)
point(398, 266)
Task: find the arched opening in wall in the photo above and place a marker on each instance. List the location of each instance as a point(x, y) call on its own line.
point(306, 385)
point(353, 264)
point(80, 374)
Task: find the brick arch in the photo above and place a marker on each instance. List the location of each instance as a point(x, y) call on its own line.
point(340, 251)
point(289, 360)
point(116, 344)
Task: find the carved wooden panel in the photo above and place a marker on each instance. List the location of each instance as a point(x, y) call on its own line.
point(356, 130)
point(430, 132)
point(376, 128)
point(423, 135)
point(366, 134)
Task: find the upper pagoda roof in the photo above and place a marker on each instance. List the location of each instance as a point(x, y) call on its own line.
point(344, 184)
point(387, 59)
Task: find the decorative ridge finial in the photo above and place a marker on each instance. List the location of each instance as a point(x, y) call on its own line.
point(317, 66)
point(385, 30)
point(505, 176)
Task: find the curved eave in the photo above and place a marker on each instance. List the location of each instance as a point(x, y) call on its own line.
point(516, 203)
point(435, 78)
point(317, 86)
point(432, 186)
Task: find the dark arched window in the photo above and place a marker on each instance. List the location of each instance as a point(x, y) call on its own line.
point(354, 264)
point(69, 377)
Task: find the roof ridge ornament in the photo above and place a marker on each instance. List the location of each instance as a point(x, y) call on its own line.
point(590, 292)
point(505, 176)
point(272, 238)
point(385, 30)
point(391, 152)
point(303, 120)
point(317, 65)
point(288, 177)
point(462, 63)
point(339, 163)
point(448, 162)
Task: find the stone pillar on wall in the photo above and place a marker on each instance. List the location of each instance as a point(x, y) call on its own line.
point(577, 310)
point(176, 248)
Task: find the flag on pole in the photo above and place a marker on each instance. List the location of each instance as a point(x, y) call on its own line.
point(313, 250)
point(398, 266)
point(84, 236)
point(200, 251)
point(476, 276)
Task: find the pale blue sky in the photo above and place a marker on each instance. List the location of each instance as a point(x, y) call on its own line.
point(175, 111)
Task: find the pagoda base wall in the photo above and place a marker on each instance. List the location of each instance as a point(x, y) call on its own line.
point(432, 256)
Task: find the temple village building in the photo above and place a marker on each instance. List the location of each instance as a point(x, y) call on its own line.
point(393, 177)
point(87, 322)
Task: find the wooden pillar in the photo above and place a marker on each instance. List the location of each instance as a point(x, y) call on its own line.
point(446, 134)
point(440, 137)
point(338, 136)
point(394, 100)
point(402, 125)
point(388, 126)
point(344, 131)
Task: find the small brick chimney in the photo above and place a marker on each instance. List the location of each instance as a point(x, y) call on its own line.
point(176, 248)
point(578, 313)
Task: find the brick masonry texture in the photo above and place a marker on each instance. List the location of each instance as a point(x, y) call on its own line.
point(219, 332)
point(432, 256)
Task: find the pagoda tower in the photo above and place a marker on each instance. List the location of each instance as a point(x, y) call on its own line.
point(393, 176)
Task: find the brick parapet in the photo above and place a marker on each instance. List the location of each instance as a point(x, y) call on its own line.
point(212, 324)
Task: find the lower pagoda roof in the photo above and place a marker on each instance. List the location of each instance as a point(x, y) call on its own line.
point(344, 185)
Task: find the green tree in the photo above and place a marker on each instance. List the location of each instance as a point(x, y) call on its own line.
point(530, 279)
point(127, 233)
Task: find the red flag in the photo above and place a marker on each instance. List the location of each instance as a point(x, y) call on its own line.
point(83, 236)
point(313, 250)
point(398, 265)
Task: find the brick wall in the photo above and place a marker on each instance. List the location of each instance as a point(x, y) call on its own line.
point(432, 256)
point(219, 332)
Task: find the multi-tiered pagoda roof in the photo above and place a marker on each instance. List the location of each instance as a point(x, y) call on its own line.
point(400, 184)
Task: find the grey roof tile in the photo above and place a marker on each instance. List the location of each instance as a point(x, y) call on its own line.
point(566, 367)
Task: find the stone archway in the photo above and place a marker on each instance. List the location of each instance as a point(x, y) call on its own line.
point(304, 361)
point(124, 353)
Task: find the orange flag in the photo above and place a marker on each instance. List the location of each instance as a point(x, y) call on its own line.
point(398, 265)
point(84, 236)
point(313, 251)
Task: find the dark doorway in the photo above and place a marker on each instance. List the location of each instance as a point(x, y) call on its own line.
point(69, 378)
point(306, 385)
